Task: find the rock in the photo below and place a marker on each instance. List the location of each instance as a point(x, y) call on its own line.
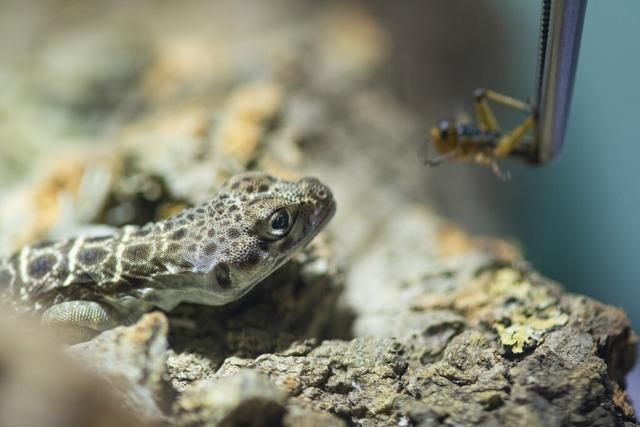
point(41, 386)
point(246, 398)
point(185, 368)
point(132, 360)
point(466, 376)
point(297, 417)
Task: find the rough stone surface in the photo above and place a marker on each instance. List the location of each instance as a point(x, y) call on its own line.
point(247, 399)
point(132, 361)
point(453, 369)
point(40, 386)
point(451, 364)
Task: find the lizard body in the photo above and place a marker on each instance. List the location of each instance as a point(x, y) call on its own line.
point(210, 254)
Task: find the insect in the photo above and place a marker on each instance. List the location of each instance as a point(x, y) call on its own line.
point(484, 141)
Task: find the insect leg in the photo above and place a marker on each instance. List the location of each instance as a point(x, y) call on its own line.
point(504, 100)
point(509, 142)
point(484, 114)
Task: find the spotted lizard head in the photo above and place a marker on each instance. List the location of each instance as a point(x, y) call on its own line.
point(254, 224)
point(209, 254)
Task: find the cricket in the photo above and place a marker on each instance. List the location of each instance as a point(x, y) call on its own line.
point(484, 141)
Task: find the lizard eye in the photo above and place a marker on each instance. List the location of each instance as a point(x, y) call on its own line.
point(280, 220)
point(278, 224)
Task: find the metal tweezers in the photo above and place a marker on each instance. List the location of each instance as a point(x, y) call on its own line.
point(560, 33)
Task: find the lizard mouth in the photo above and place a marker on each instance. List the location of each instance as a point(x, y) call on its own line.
point(319, 221)
point(324, 214)
point(328, 214)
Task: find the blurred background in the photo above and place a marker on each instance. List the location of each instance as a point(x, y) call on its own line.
point(576, 220)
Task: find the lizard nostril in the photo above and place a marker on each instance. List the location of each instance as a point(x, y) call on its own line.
point(322, 193)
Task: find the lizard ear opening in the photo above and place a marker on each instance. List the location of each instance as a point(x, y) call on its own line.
point(221, 272)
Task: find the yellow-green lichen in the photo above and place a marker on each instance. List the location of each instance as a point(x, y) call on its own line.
point(529, 311)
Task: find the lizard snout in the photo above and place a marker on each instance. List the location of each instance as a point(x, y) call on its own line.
point(316, 188)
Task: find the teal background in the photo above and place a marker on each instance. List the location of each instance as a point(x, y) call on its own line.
point(579, 218)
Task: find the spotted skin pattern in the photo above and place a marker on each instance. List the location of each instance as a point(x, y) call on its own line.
point(210, 254)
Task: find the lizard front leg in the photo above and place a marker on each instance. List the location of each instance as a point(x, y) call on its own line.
point(81, 320)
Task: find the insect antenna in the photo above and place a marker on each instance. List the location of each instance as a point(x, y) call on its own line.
point(435, 161)
point(502, 175)
point(423, 153)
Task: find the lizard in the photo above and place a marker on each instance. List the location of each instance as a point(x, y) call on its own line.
point(212, 254)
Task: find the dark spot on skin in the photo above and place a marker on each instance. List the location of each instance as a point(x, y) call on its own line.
point(209, 249)
point(233, 233)
point(136, 253)
point(191, 217)
point(221, 239)
point(223, 196)
point(40, 266)
point(243, 198)
point(193, 247)
point(173, 247)
point(263, 188)
point(250, 189)
point(200, 223)
point(227, 252)
point(83, 277)
point(263, 245)
point(222, 275)
point(211, 232)
point(238, 217)
point(179, 234)
point(200, 210)
point(167, 226)
point(235, 185)
point(252, 258)
point(91, 256)
point(232, 208)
